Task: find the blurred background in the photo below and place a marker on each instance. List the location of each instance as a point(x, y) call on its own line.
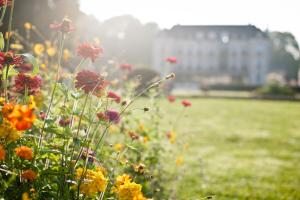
point(229, 46)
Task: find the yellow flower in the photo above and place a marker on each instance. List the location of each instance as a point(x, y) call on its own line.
point(43, 66)
point(93, 182)
point(113, 129)
point(2, 100)
point(127, 190)
point(9, 132)
point(27, 26)
point(31, 103)
point(179, 161)
point(119, 147)
point(66, 55)
point(51, 51)
point(39, 49)
point(97, 41)
point(146, 139)
point(16, 46)
point(122, 179)
point(171, 136)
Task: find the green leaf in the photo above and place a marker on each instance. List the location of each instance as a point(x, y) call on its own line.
point(33, 61)
point(2, 43)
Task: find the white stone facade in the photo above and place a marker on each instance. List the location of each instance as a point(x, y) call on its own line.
point(241, 52)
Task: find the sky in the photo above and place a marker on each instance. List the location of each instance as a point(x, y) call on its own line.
point(275, 15)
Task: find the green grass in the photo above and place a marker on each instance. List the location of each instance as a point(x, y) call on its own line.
point(240, 149)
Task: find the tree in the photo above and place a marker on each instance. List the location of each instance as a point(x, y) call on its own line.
point(285, 54)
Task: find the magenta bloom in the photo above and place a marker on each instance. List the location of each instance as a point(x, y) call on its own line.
point(114, 96)
point(87, 50)
point(172, 60)
point(186, 103)
point(113, 116)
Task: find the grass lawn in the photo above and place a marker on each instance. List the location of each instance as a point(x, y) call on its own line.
point(240, 149)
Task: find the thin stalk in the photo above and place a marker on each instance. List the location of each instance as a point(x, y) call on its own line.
point(55, 86)
point(7, 46)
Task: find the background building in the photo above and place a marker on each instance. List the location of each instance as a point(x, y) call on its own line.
point(224, 54)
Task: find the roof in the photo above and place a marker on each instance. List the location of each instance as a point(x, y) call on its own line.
point(248, 31)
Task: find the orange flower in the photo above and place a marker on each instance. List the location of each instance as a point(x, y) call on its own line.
point(21, 117)
point(29, 175)
point(24, 152)
point(7, 109)
point(2, 153)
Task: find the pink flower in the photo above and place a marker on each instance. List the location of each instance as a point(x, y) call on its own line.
point(126, 66)
point(172, 60)
point(171, 98)
point(186, 103)
point(87, 50)
point(5, 2)
point(65, 26)
point(114, 96)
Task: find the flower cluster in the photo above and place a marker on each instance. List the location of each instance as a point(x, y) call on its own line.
point(128, 190)
point(93, 181)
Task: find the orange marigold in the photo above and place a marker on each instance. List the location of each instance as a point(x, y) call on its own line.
point(22, 117)
point(24, 152)
point(7, 109)
point(2, 153)
point(29, 174)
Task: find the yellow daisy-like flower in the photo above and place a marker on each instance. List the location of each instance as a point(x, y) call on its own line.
point(128, 190)
point(16, 46)
point(9, 132)
point(119, 147)
point(39, 49)
point(113, 129)
point(51, 51)
point(66, 55)
point(171, 136)
point(179, 161)
point(93, 182)
point(27, 26)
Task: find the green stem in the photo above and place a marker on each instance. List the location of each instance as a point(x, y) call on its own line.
point(7, 46)
point(10, 24)
point(54, 88)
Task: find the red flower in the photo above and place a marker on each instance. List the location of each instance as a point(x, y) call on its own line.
point(90, 82)
point(9, 58)
point(186, 103)
point(64, 122)
point(5, 2)
point(171, 98)
point(126, 66)
point(65, 26)
point(172, 60)
point(87, 50)
point(114, 96)
point(32, 83)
